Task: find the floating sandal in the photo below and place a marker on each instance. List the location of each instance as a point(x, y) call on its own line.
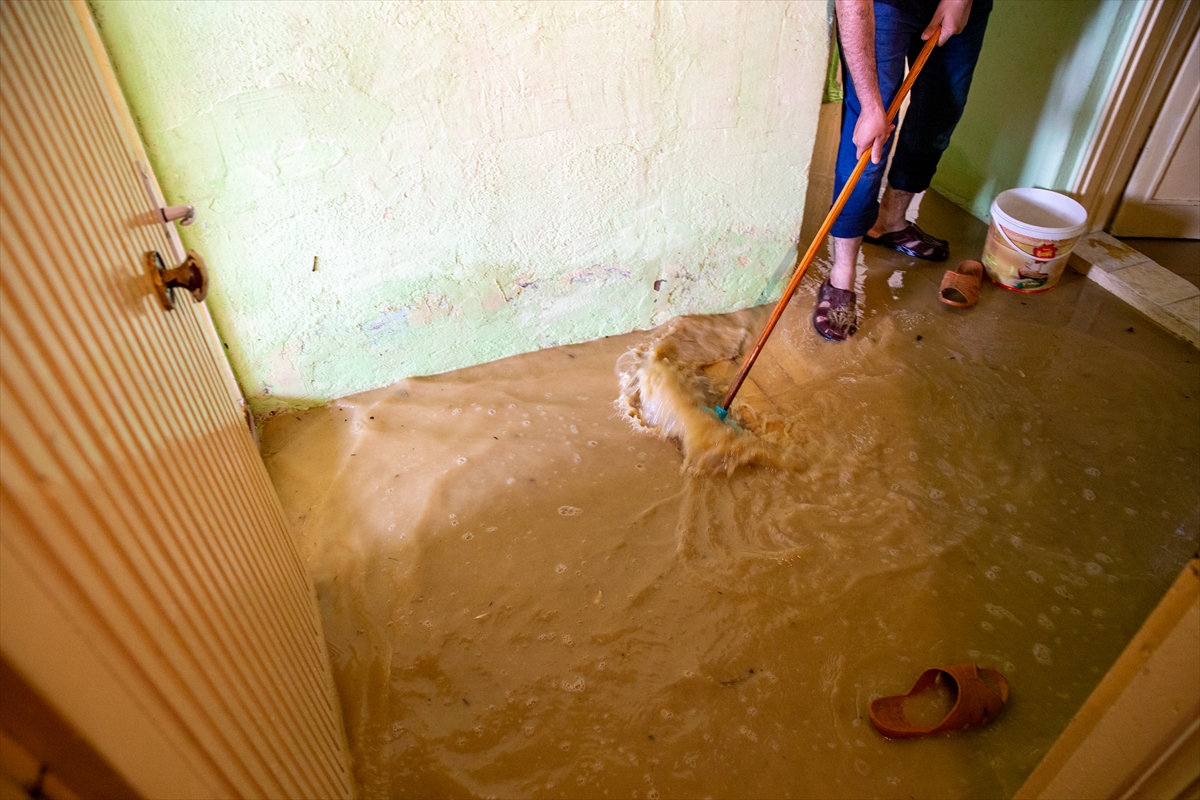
point(960, 286)
point(834, 317)
point(912, 241)
point(979, 702)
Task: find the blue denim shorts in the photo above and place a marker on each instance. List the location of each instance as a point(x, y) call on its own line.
point(937, 102)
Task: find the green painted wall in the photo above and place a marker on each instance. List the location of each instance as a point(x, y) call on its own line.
point(1038, 90)
point(470, 180)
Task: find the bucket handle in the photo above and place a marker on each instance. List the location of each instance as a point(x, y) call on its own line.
point(1003, 235)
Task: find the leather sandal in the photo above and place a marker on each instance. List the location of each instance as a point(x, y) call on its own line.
point(979, 702)
point(912, 241)
point(960, 286)
point(834, 316)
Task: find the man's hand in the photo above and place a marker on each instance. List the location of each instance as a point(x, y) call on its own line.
point(871, 131)
point(951, 15)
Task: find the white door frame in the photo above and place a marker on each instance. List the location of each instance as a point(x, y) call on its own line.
point(1159, 42)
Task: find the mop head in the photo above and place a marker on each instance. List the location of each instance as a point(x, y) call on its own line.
point(665, 392)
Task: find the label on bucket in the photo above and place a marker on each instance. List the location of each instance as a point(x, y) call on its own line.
point(1032, 265)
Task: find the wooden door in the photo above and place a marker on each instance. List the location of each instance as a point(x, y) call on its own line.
point(150, 593)
point(1162, 198)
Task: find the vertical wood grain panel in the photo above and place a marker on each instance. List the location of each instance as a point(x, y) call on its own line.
point(134, 500)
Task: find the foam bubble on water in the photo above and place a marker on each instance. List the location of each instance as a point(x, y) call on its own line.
point(577, 458)
point(936, 494)
point(1131, 512)
point(1010, 508)
point(1001, 612)
point(569, 511)
point(1103, 558)
point(525, 422)
point(1095, 473)
point(912, 456)
point(1045, 622)
point(896, 279)
point(460, 460)
point(560, 569)
point(593, 443)
point(1092, 568)
point(578, 684)
point(511, 481)
point(468, 536)
point(1042, 653)
point(1088, 494)
point(1035, 577)
point(987, 626)
point(456, 412)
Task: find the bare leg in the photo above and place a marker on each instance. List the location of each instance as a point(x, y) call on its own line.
point(845, 259)
point(892, 208)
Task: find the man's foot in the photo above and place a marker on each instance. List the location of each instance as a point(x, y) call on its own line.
point(834, 317)
point(913, 241)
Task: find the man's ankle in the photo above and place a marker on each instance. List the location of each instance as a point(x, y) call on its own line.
point(882, 228)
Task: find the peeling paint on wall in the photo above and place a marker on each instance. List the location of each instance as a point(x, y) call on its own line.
point(473, 180)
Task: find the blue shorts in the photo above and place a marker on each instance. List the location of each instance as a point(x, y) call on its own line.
point(936, 105)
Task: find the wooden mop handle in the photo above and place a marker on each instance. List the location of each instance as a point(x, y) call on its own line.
point(794, 283)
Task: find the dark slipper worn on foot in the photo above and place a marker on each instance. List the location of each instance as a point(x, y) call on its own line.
point(982, 695)
point(834, 317)
point(960, 286)
point(913, 241)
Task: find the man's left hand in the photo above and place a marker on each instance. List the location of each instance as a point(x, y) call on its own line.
point(951, 15)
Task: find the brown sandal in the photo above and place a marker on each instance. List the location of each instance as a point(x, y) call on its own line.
point(979, 702)
point(960, 286)
point(834, 317)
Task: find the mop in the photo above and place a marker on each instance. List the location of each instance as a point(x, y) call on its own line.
point(663, 386)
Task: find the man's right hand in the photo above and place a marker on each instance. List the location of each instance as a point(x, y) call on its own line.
point(872, 130)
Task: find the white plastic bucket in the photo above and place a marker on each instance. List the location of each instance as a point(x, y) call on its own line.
point(1031, 237)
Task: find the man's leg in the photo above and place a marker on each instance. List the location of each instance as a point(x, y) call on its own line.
point(893, 32)
point(938, 99)
point(892, 210)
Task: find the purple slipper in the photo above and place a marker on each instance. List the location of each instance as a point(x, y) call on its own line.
point(913, 241)
point(834, 316)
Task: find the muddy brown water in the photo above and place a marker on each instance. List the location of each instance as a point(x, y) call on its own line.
point(525, 597)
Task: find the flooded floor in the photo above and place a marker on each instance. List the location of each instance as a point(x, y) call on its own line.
point(524, 597)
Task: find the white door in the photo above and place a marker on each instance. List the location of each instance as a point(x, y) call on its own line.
point(150, 593)
point(1162, 198)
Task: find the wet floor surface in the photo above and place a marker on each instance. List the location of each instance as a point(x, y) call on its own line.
point(524, 597)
